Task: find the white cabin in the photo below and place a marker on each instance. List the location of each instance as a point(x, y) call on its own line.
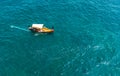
point(37, 25)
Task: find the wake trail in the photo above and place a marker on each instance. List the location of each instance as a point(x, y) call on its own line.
point(12, 26)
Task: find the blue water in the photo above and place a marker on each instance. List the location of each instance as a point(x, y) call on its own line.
point(86, 41)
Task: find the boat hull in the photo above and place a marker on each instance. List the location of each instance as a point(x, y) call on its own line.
point(43, 30)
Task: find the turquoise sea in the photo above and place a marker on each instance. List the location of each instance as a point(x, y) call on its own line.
point(86, 41)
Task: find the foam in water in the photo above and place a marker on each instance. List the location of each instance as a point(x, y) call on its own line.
point(36, 34)
point(12, 26)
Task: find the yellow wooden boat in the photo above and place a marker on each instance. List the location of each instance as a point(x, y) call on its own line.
point(40, 28)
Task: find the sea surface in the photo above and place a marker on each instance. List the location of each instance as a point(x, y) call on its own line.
point(86, 41)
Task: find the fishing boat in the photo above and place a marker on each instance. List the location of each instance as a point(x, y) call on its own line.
point(40, 28)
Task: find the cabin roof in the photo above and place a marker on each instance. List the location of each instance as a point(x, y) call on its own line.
point(37, 25)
